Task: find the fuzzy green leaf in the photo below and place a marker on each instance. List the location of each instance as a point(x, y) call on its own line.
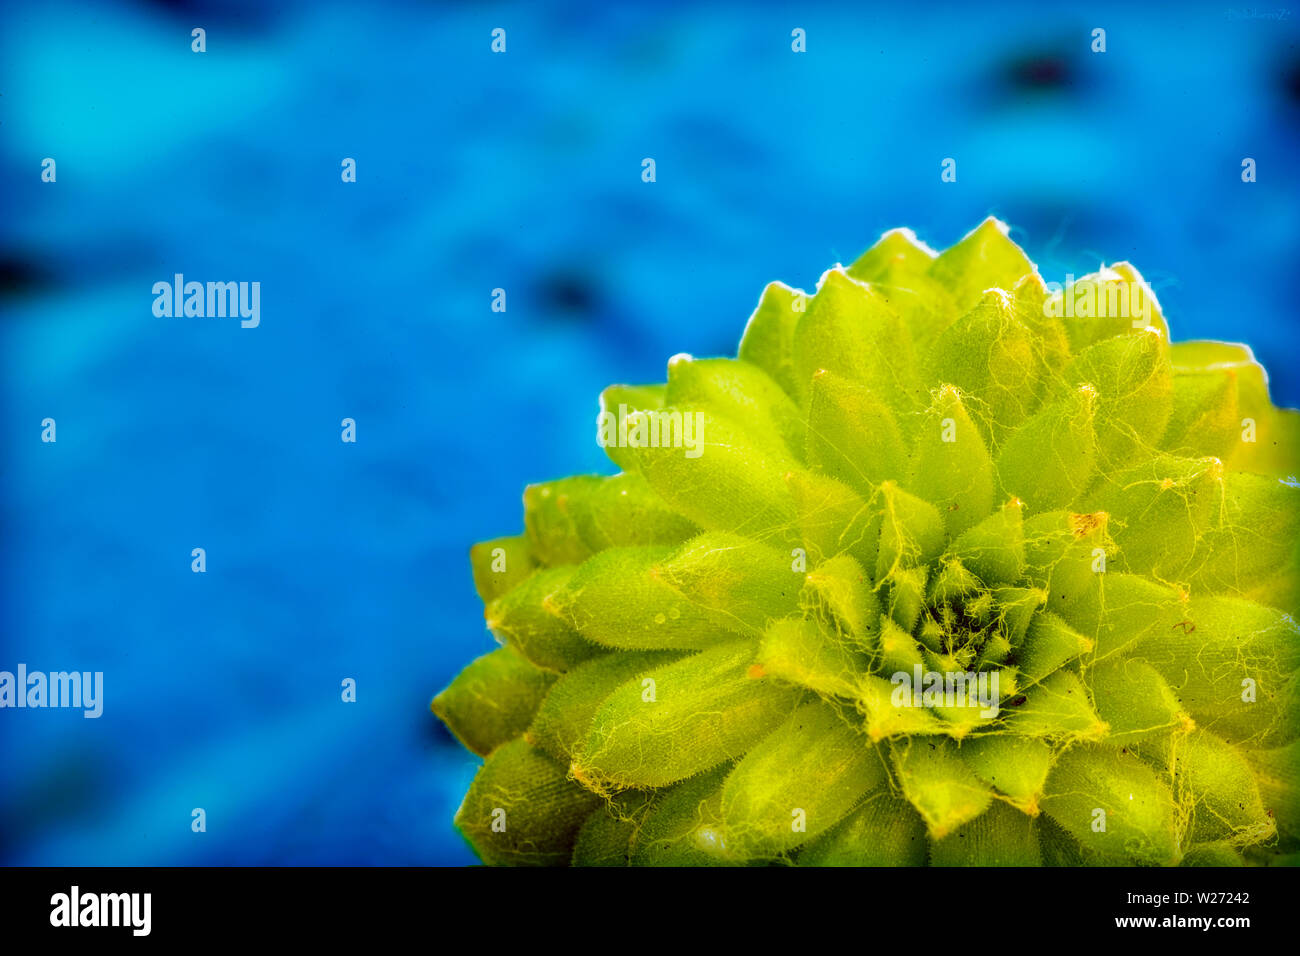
point(1000, 836)
point(525, 617)
point(493, 699)
point(884, 831)
point(936, 781)
point(768, 341)
point(797, 782)
point(852, 434)
point(500, 564)
point(951, 467)
point(698, 713)
point(1115, 806)
point(521, 810)
point(563, 720)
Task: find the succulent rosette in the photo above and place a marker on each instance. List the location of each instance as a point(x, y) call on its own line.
point(947, 567)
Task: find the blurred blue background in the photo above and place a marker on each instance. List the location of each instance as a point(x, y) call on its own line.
point(328, 560)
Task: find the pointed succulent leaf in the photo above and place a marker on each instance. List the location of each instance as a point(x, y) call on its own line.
point(951, 467)
point(1204, 421)
point(739, 390)
point(797, 782)
point(936, 781)
point(1135, 701)
point(569, 520)
point(887, 716)
point(1058, 708)
point(811, 655)
point(1000, 836)
point(1049, 644)
point(1133, 380)
point(768, 341)
point(619, 599)
point(617, 402)
point(1049, 461)
point(994, 549)
point(884, 831)
point(897, 255)
point(1171, 503)
point(684, 827)
point(563, 719)
point(1115, 806)
point(911, 531)
point(521, 810)
point(850, 330)
point(833, 519)
point(994, 359)
point(1113, 301)
point(525, 617)
point(839, 593)
point(493, 699)
point(721, 478)
point(1214, 784)
point(700, 594)
point(499, 565)
point(985, 258)
point(1016, 767)
point(852, 434)
point(1232, 663)
point(694, 715)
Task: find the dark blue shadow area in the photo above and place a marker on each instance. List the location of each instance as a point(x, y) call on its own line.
point(478, 171)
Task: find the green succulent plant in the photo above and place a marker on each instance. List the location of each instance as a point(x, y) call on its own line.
point(948, 567)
